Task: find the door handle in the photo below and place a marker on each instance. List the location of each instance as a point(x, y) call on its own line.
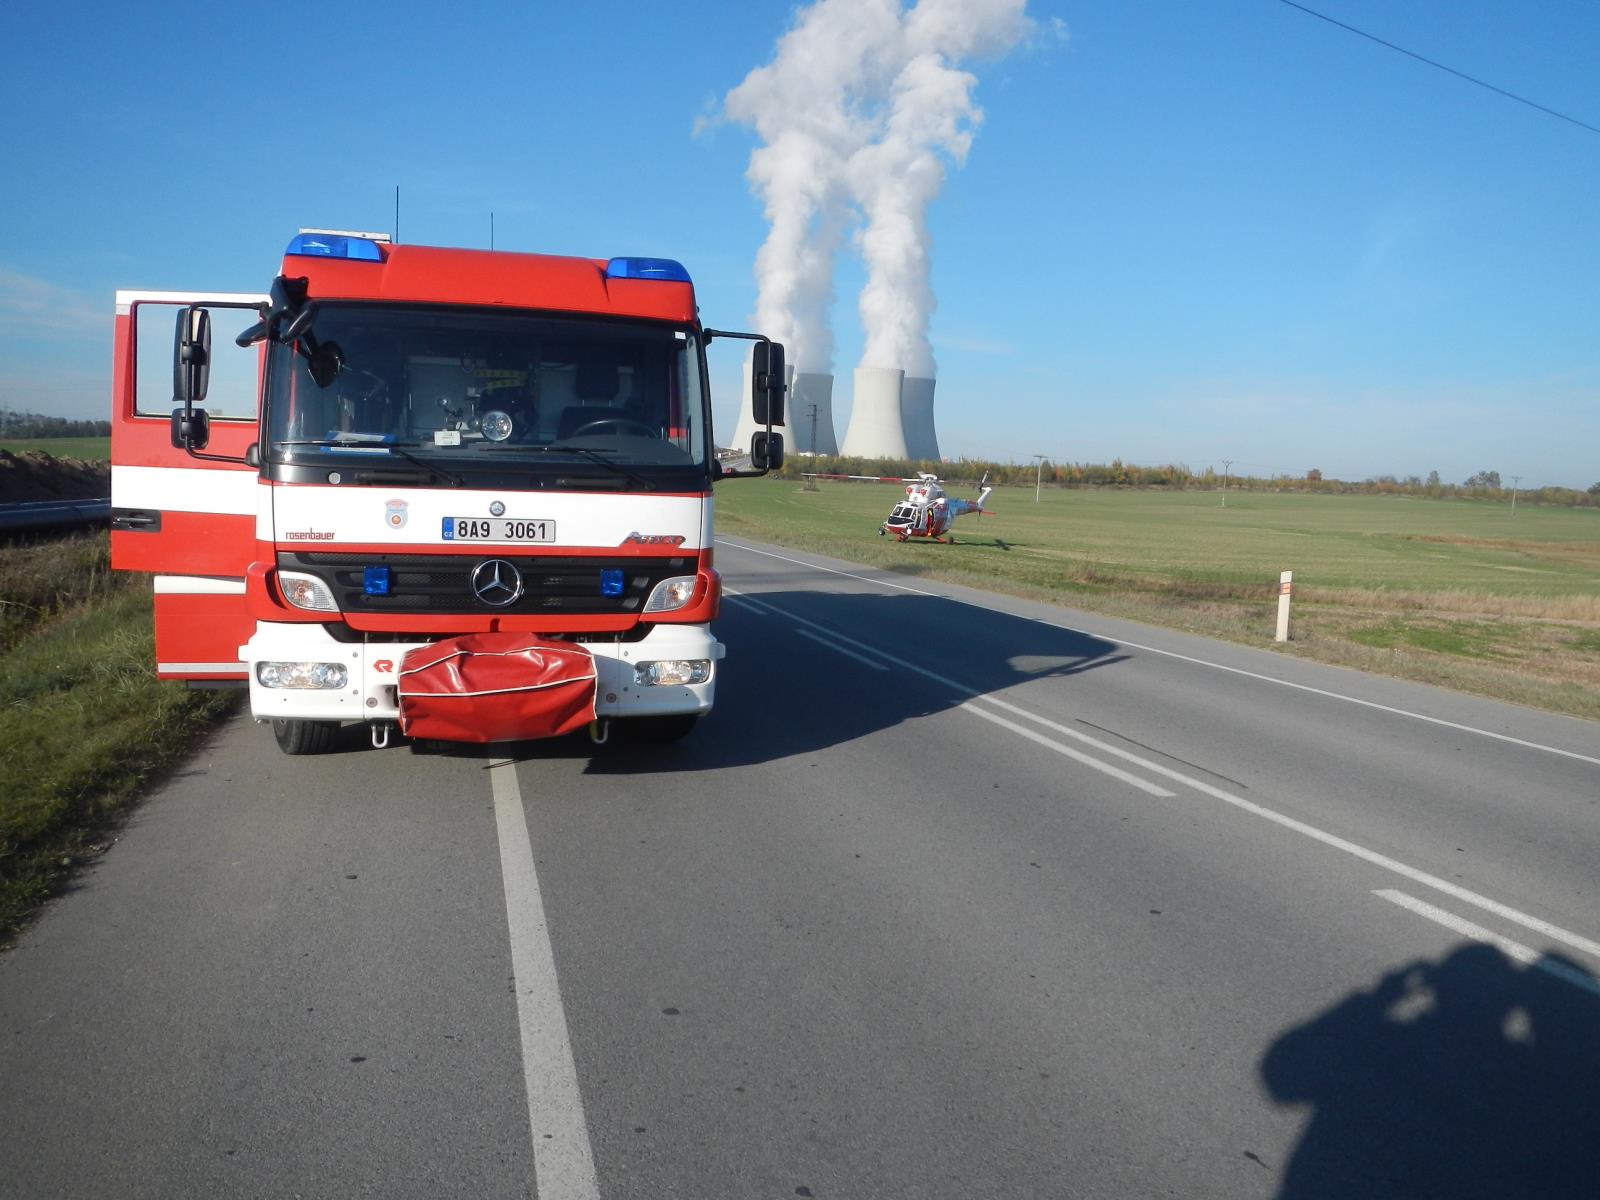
point(135, 520)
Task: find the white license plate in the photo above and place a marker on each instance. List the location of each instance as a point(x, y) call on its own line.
point(497, 529)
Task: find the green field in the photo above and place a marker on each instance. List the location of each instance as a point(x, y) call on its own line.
point(90, 449)
point(1451, 591)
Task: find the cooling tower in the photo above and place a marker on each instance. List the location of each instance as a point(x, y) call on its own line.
point(746, 427)
point(916, 410)
point(876, 427)
point(811, 388)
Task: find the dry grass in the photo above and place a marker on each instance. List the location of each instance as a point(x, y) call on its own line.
point(1581, 610)
point(84, 724)
point(1582, 554)
point(42, 578)
point(1548, 664)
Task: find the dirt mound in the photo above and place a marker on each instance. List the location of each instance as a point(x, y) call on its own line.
point(34, 476)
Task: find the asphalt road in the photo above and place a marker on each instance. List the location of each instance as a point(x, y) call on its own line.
point(952, 896)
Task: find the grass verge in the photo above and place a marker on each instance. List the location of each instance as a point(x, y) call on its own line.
point(84, 724)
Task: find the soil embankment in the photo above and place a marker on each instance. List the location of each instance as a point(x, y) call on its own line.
point(34, 476)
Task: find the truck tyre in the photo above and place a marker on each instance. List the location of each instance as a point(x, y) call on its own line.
point(304, 737)
point(659, 730)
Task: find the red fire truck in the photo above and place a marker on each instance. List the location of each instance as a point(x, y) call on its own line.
point(461, 493)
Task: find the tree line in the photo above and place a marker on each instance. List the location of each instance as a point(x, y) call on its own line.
point(38, 425)
point(1481, 485)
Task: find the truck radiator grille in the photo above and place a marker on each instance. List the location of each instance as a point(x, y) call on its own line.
point(442, 584)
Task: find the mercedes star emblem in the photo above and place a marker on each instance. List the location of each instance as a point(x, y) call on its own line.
point(497, 509)
point(496, 582)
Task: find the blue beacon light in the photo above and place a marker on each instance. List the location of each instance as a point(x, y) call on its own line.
point(611, 582)
point(324, 245)
point(647, 268)
point(375, 581)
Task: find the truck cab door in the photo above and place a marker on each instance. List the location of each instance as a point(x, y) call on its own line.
point(189, 521)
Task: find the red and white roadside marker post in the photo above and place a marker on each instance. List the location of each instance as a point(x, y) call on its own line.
point(1285, 588)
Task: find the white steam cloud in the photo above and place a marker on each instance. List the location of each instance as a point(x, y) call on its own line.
point(859, 111)
point(806, 107)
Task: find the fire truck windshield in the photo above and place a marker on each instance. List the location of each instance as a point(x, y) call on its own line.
point(471, 392)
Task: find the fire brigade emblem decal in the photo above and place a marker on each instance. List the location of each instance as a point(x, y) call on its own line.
point(496, 582)
point(394, 513)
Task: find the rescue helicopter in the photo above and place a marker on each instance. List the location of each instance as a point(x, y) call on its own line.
point(927, 512)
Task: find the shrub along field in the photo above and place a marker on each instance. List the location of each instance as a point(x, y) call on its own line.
point(83, 722)
point(38, 476)
point(89, 449)
point(1462, 593)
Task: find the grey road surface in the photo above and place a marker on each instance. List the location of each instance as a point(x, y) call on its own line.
point(951, 896)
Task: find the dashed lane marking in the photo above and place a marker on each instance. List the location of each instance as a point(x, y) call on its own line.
point(1575, 940)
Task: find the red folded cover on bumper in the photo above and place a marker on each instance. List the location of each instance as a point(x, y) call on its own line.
point(496, 687)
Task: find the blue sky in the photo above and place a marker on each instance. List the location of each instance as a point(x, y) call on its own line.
point(1185, 232)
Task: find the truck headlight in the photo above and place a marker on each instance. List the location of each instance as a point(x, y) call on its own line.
point(307, 591)
point(670, 594)
point(672, 671)
point(308, 676)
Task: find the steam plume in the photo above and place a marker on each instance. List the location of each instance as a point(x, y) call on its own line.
point(859, 110)
point(809, 106)
point(931, 118)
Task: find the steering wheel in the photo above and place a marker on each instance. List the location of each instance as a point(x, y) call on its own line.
point(619, 424)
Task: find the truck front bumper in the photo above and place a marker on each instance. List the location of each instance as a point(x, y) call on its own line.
point(370, 669)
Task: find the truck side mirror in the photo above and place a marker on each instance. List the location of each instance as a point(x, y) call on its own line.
point(766, 450)
point(191, 356)
point(191, 428)
point(768, 382)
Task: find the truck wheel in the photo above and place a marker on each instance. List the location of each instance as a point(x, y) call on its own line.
point(659, 730)
point(304, 737)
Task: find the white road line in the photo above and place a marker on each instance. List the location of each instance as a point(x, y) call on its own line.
point(838, 649)
point(800, 562)
point(1511, 949)
point(1575, 940)
point(1068, 751)
point(1555, 932)
point(563, 1163)
point(834, 638)
point(1316, 691)
point(1201, 662)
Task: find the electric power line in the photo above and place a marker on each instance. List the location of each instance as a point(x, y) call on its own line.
point(1458, 74)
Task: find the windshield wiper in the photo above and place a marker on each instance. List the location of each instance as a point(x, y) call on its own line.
point(350, 440)
point(449, 477)
point(587, 452)
point(399, 448)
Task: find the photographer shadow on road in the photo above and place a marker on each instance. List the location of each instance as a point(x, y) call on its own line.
point(1469, 1077)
